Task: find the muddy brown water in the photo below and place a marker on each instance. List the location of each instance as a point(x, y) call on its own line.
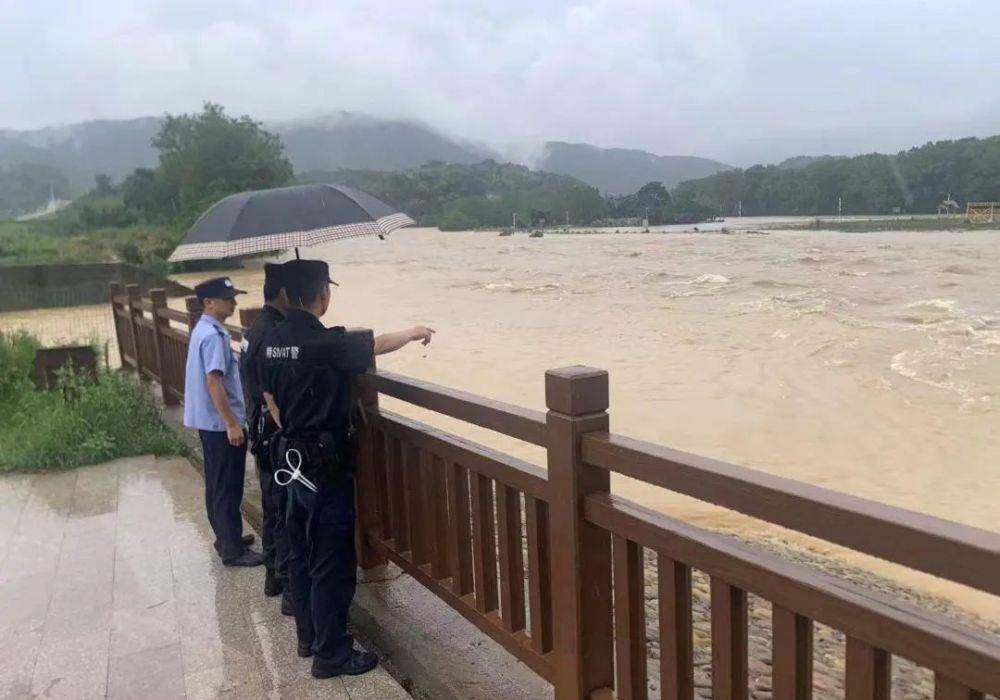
point(865, 363)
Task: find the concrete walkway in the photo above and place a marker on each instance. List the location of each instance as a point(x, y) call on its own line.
point(110, 587)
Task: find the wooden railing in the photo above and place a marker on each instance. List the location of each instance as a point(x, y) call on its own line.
point(550, 564)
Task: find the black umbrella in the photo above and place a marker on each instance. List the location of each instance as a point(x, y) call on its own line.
point(265, 221)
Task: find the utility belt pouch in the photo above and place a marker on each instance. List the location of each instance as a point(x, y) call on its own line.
point(322, 461)
point(262, 429)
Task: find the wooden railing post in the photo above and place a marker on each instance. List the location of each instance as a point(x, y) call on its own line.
point(369, 517)
point(159, 299)
point(248, 316)
point(868, 671)
point(194, 309)
point(133, 294)
point(116, 291)
point(577, 399)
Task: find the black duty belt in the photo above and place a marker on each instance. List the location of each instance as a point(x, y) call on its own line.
point(312, 461)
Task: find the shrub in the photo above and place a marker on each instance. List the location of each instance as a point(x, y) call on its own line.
point(84, 421)
point(17, 353)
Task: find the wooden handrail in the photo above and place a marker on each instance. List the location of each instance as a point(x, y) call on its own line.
point(173, 315)
point(517, 422)
point(508, 470)
point(931, 640)
point(175, 334)
point(935, 546)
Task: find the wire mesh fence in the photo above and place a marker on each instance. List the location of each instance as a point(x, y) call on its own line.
point(77, 325)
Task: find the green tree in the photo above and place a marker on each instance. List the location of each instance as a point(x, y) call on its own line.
point(914, 181)
point(102, 185)
point(204, 157)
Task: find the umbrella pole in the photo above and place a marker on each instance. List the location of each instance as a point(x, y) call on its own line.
point(296, 253)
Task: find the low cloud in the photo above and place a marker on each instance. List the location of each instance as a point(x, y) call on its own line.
point(734, 81)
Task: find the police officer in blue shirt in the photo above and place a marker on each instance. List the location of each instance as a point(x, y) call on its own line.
point(262, 427)
point(213, 404)
point(307, 381)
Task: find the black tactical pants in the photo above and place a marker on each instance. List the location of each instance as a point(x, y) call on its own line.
point(321, 565)
point(273, 538)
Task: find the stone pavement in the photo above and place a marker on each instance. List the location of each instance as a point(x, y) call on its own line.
point(110, 587)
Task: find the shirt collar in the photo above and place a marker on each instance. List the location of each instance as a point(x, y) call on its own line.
point(273, 311)
point(213, 321)
point(301, 316)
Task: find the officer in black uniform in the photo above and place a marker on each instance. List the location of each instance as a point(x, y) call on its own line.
point(307, 382)
point(261, 428)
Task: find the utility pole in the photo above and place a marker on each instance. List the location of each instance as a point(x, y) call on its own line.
point(515, 221)
point(567, 219)
point(739, 208)
point(840, 208)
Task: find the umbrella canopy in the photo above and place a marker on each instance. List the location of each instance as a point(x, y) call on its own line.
point(264, 221)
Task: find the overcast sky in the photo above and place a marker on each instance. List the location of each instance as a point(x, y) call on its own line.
point(737, 81)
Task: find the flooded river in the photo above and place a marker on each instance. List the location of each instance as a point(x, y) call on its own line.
point(865, 363)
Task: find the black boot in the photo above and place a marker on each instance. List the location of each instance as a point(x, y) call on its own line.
point(305, 650)
point(272, 585)
point(287, 608)
point(357, 663)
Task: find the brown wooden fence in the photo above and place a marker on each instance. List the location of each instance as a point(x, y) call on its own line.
point(550, 564)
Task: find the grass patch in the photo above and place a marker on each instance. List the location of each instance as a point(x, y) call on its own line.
point(84, 421)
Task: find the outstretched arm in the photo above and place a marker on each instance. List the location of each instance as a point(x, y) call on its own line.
point(390, 342)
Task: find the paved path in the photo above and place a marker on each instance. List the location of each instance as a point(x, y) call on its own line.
point(109, 586)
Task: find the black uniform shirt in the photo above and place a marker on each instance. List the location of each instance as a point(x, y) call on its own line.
point(251, 359)
point(307, 368)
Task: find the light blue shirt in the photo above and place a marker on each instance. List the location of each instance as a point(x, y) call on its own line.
point(210, 350)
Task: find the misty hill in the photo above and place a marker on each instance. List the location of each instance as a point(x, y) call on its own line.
point(912, 181)
point(354, 141)
point(80, 151)
point(620, 170)
point(116, 148)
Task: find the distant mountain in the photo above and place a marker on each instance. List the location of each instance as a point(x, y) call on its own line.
point(80, 151)
point(344, 140)
point(354, 141)
point(622, 171)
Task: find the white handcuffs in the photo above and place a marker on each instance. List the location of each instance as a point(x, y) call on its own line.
point(294, 471)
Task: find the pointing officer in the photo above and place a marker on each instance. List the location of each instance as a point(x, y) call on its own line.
point(213, 403)
point(261, 428)
point(307, 375)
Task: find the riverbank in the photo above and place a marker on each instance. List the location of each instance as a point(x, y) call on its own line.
point(916, 224)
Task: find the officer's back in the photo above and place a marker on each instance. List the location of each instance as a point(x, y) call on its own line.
point(310, 368)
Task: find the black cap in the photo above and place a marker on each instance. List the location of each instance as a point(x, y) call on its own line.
point(273, 273)
point(274, 280)
point(298, 272)
point(217, 288)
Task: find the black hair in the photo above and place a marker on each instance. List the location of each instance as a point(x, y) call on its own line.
point(272, 288)
point(305, 293)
